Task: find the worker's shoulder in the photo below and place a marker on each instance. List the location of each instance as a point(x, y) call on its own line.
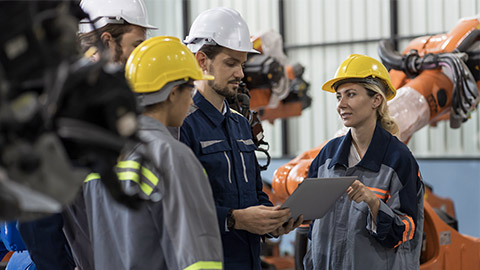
point(194, 115)
point(174, 147)
point(175, 156)
point(240, 118)
point(399, 158)
point(332, 146)
point(398, 150)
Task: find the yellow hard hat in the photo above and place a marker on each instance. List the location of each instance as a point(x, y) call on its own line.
point(158, 61)
point(360, 67)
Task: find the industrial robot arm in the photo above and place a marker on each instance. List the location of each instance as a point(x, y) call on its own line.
point(436, 77)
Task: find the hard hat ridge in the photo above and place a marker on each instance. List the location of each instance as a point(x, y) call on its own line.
point(114, 12)
point(220, 26)
point(358, 68)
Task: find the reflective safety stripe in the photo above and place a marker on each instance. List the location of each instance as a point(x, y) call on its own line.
point(229, 167)
point(408, 231)
point(133, 176)
point(398, 244)
point(244, 168)
point(380, 193)
point(234, 111)
point(92, 176)
point(130, 175)
point(246, 142)
point(130, 164)
point(411, 227)
point(205, 144)
point(205, 265)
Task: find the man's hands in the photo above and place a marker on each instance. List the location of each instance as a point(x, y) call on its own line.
point(288, 227)
point(265, 219)
point(260, 219)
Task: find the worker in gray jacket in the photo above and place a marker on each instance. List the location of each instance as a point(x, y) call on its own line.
point(176, 227)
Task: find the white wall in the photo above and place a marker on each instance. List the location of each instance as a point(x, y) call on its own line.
point(324, 21)
point(166, 15)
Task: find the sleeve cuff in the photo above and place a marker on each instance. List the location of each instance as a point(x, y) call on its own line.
point(222, 218)
point(384, 217)
point(371, 224)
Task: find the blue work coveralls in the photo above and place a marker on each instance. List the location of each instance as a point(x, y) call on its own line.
point(345, 238)
point(223, 144)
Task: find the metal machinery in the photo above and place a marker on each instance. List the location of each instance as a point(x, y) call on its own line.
point(437, 78)
point(277, 90)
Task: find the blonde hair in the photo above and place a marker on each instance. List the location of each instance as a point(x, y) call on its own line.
point(387, 122)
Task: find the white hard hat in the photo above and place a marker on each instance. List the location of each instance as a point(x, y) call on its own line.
point(103, 12)
point(223, 26)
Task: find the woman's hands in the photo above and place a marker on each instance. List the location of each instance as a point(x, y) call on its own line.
point(358, 192)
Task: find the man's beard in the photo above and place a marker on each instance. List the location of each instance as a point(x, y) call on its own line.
point(223, 91)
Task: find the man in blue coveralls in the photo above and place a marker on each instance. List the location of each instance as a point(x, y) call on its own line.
point(221, 139)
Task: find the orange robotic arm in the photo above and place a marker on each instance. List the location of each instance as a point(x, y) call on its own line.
point(437, 78)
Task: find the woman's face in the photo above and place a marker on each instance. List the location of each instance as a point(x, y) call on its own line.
point(355, 106)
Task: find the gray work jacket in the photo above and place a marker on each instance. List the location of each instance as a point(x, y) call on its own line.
point(345, 238)
point(176, 228)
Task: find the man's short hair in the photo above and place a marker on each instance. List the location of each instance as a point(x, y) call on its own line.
point(211, 51)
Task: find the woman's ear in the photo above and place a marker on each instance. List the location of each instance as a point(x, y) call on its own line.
point(377, 101)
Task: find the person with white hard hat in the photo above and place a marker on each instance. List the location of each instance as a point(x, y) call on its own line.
point(221, 139)
point(121, 25)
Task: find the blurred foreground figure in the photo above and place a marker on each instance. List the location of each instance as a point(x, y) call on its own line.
point(61, 115)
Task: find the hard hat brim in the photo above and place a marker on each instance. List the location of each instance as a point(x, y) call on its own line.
point(145, 99)
point(195, 47)
point(148, 26)
point(206, 77)
point(329, 86)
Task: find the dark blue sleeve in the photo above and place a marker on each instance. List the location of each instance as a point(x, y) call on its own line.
point(392, 230)
point(46, 243)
